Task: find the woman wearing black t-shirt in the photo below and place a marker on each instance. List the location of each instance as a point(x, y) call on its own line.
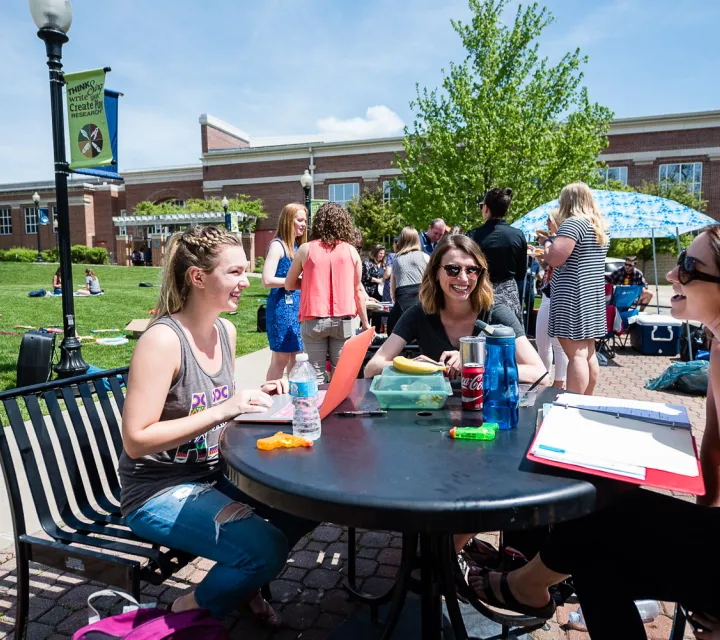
point(454, 293)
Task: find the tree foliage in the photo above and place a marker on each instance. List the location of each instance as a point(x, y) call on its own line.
point(376, 220)
point(240, 202)
point(642, 247)
point(505, 117)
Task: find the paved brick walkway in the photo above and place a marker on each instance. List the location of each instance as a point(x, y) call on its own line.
point(308, 593)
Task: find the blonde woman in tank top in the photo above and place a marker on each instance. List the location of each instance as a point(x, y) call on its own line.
point(408, 270)
point(180, 394)
point(331, 289)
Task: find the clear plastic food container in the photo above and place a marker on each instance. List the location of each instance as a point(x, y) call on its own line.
point(411, 392)
point(527, 398)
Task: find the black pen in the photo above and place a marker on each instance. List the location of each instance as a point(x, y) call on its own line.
point(355, 414)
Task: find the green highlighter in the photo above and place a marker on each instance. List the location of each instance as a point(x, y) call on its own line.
point(486, 432)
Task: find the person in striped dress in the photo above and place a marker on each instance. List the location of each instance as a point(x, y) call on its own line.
point(577, 304)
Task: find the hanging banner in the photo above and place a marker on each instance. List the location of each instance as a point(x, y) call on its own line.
point(111, 115)
point(89, 135)
point(315, 205)
point(44, 217)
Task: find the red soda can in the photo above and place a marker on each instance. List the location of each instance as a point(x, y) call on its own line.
point(472, 386)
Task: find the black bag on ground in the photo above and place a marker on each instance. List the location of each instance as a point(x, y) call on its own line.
point(698, 341)
point(261, 312)
point(34, 364)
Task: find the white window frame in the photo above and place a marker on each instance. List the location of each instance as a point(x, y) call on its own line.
point(387, 191)
point(31, 221)
point(606, 170)
point(5, 221)
point(355, 189)
point(695, 185)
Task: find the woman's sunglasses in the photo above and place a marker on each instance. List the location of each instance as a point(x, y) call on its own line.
point(688, 271)
point(454, 270)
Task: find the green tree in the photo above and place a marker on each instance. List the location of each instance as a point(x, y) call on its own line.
point(642, 247)
point(505, 117)
point(376, 220)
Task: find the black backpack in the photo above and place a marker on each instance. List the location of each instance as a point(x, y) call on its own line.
point(261, 325)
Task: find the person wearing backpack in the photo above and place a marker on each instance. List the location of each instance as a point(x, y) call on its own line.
point(180, 393)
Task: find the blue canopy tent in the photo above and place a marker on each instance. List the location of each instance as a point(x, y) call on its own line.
point(629, 214)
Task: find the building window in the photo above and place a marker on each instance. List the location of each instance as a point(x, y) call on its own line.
point(31, 227)
point(53, 209)
point(618, 174)
point(5, 222)
point(123, 230)
point(687, 173)
point(389, 192)
point(178, 203)
point(343, 193)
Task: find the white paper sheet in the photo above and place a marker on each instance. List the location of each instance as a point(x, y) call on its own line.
point(572, 433)
point(659, 411)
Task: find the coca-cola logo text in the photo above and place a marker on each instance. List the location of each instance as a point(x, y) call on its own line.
point(472, 384)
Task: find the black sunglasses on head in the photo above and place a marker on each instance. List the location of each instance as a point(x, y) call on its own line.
point(688, 271)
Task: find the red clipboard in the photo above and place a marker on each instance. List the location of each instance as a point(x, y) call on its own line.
point(653, 477)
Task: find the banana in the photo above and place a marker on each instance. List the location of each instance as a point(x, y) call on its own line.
point(415, 367)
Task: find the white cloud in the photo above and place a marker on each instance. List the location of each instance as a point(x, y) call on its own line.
point(379, 122)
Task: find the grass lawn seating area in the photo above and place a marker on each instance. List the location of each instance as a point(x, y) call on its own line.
point(123, 301)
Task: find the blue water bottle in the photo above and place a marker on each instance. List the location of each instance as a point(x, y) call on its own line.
point(500, 382)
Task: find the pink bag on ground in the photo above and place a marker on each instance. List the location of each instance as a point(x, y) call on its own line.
point(143, 623)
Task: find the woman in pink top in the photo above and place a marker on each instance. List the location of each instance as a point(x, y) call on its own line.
point(331, 291)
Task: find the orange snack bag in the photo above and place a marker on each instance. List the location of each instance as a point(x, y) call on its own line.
point(283, 440)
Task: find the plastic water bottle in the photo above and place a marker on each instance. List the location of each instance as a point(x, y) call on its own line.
point(501, 392)
point(577, 620)
point(648, 609)
point(304, 393)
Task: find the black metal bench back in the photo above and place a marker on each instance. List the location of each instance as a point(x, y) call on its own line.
point(57, 440)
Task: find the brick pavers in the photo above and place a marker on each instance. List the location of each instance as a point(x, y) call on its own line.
point(308, 593)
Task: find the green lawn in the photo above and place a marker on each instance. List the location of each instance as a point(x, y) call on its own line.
point(123, 301)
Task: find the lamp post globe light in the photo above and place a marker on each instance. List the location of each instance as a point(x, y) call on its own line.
point(53, 19)
point(225, 204)
point(306, 180)
point(36, 200)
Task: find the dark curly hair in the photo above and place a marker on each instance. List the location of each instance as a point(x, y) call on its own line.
point(333, 224)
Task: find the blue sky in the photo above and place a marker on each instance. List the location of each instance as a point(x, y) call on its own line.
point(340, 69)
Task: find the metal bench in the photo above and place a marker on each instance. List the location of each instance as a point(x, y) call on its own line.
point(69, 459)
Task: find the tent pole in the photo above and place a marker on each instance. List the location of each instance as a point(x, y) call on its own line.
point(687, 323)
point(657, 286)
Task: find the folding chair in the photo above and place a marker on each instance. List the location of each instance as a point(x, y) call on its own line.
point(613, 326)
point(626, 298)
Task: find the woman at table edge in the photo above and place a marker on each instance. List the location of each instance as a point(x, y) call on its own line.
point(173, 489)
point(646, 544)
point(454, 293)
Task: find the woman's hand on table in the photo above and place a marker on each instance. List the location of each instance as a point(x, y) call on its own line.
point(244, 401)
point(276, 387)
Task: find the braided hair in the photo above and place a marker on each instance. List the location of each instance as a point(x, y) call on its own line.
point(196, 247)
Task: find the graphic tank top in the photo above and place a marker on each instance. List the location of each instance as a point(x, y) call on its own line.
point(193, 390)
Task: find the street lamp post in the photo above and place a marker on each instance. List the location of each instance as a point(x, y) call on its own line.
point(225, 204)
point(36, 200)
point(53, 19)
point(306, 180)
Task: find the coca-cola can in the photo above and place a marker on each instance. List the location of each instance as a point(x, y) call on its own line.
point(472, 354)
point(472, 386)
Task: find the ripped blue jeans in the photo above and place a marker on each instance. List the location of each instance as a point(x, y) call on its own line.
point(215, 520)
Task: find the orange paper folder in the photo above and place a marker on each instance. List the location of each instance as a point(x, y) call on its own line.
point(653, 477)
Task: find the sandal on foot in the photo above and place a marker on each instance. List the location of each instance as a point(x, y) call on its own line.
point(266, 615)
point(511, 603)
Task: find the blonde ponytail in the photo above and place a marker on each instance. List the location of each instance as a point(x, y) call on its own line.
point(197, 247)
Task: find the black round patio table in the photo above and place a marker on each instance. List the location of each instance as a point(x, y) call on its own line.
point(402, 472)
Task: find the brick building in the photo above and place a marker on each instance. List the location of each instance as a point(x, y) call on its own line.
point(681, 147)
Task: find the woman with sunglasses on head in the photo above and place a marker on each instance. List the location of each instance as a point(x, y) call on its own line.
point(455, 292)
point(577, 306)
point(629, 550)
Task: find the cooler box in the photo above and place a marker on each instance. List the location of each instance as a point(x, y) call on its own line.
point(656, 335)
